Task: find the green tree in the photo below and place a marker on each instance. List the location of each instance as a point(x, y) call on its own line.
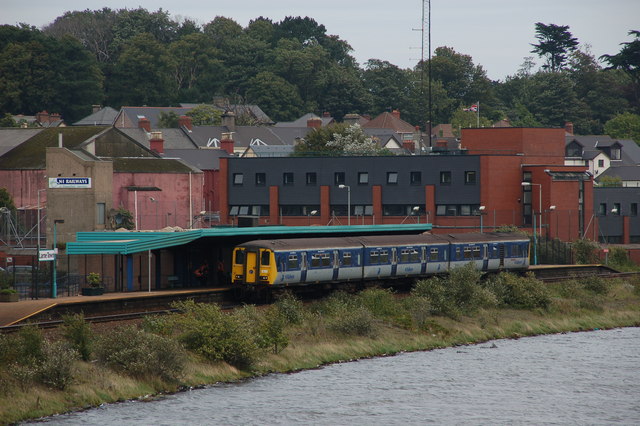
point(466, 119)
point(6, 200)
point(168, 120)
point(628, 60)
point(278, 98)
point(353, 141)
point(315, 144)
point(555, 43)
point(624, 126)
point(387, 84)
point(8, 121)
point(205, 115)
point(553, 100)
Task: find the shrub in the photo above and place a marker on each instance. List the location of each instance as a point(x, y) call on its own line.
point(209, 332)
point(380, 302)
point(519, 292)
point(29, 345)
point(434, 290)
point(585, 251)
point(335, 303)
point(354, 322)
point(138, 353)
point(619, 258)
point(78, 333)
point(596, 284)
point(290, 308)
point(57, 367)
point(272, 330)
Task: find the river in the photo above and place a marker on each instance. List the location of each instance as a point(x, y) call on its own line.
point(590, 378)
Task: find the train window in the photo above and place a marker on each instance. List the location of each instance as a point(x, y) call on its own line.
point(374, 257)
point(292, 261)
point(433, 254)
point(315, 260)
point(457, 252)
point(239, 257)
point(515, 251)
point(384, 256)
point(414, 256)
point(346, 259)
point(265, 258)
point(326, 259)
point(467, 253)
point(476, 252)
point(404, 255)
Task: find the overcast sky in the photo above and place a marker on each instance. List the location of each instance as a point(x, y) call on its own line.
point(496, 33)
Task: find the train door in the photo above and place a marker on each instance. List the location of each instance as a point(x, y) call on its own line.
point(336, 264)
point(423, 260)
point(303, 267)
point(485, 257)
point(501, 252)
point(394, 261)
point(250, 267)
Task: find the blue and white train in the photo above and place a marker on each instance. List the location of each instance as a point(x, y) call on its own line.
point(301, 261)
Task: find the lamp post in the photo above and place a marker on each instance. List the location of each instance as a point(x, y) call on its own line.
point(154, 201)
point(481, 211)
point(54, 285)
point(348, 202)
point(416, 212)
point(311, 213)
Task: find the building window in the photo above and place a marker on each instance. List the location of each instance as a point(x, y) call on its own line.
point(287, 178)
point(616, 209)
point(602, 209)
point(312, 178)
point(338, 178)
point(615, 153)
point(600, 163)
point(100, 213)
point(392, 178)
point(445, 178)
point(633, 209)
point(416, 178)
point(238, 178)
point(261, 179)
point(363, 178)
point(470, 178)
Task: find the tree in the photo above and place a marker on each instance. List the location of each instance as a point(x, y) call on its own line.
point(277, 97)
point(8, 121)
point(315, 144)
point(205, 115)
point(466, 119)
point(168, 120)
point(353, 141)
point(624, 126)
point(553, 100)
point(387, 84)
point(555, 43)
point(628, 60)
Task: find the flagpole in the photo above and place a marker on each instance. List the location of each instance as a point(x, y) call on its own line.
point(478, 115)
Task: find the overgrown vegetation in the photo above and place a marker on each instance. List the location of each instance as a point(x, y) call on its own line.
point(203, 344)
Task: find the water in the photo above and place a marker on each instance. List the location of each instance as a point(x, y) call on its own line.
point(581, 378)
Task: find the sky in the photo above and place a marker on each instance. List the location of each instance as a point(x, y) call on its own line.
point(497, 34)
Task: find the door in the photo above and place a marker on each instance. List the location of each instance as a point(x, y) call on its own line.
point(336, 264)
point(501, 252)
point(394, 262)
point(303, 267)
point(485, 257)
point(251, 267)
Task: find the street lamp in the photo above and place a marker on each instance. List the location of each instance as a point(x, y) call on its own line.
point(348, 202)
point(154, 201)
point(481, 210)
point(311, 213)
point(416, 212)
point(54, 285)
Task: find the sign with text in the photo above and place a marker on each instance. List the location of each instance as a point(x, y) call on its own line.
point(47, 255)
point(70, 182)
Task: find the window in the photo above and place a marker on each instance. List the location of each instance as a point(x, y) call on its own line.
point(287, 178)
point(239, 257)
point(414, 256)
point(234, 211)
point(312, 178)
point(404, 255)
point(470, 178)
point(476, 252)
point(265, 258)
point(433, 254)
point(515, 251)
point(374, 257)
point(338, 178)
point(320, 259)
point(633, 209)
point(467, 253)
point(363, 178)
point(416, 178)
point(602, 209)
point(292, 261)
point(346, 259)
point(600, 163)
point(261, 179)
point(384, 256)
point(392, 178)
point(445, 178)
point(616, 209)
point(615, 153)
point(238, 178)
point(100, 213)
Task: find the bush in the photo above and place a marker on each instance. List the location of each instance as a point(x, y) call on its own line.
point(519, 292)
point(138, 353)
point(585, 251)
point(290, 308)
point(354, 322)
point(78, 333)
point(57, 367)
point(209, 332)
point(29, 347)
point(619, 259)
point(596, 284)
point(266, 326)
point(380, 302)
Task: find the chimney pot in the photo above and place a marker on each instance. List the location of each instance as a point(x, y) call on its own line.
point(226, 143)
point(185, 121)
point(568, 127)
point(96, 108)
point(145, 124)
point(314, 122)
point(156, 143)
point(229, 121)
point(396, 113)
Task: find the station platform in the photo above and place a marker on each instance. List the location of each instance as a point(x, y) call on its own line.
point(31, 310)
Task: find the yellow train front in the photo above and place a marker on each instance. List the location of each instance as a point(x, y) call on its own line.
point(253, 265)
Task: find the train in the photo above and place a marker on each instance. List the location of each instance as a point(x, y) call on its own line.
point(306, 261)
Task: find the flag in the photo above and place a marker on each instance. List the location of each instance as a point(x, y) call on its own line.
point(472, 108)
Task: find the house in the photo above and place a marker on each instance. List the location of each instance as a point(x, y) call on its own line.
point(100, 116)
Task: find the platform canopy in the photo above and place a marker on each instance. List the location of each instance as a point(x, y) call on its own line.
point(129, 242)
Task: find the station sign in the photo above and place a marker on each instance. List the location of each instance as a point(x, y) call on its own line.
point(70, 182)
point(47, 255)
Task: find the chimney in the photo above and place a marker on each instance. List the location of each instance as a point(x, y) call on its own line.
point(441, 144)
point(568, 127)
point(96, 108)
point(42, 117)
point(185, 122)
point(229, 121)
point(326, 114)
point(351, 119)
point(145, 124)
point(156, 143)
point(54, 117)
point(409, 145)
point(314, 123)
point(226, 143)
point(396, 113)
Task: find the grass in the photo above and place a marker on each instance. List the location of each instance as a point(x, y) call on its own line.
point(312, 342)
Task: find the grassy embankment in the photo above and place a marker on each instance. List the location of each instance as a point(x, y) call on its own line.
point(81, 368)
